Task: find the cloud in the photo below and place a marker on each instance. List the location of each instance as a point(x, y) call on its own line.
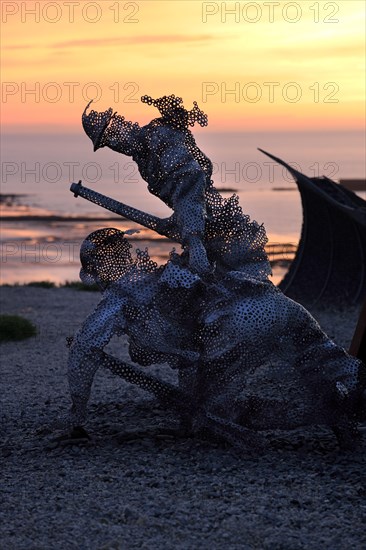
point(18, 47)
point(318, 50)
point(116, 41)
point(128, 40)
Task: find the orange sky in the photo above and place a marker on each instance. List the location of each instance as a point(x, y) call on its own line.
point(290, 65)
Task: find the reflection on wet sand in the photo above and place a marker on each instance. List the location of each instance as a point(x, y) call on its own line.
point(51, 253)
point(39, 245)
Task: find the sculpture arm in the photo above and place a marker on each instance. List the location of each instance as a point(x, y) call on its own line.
point(166, 226)
point(83, 362)
point(184, 190)
point(187, 183)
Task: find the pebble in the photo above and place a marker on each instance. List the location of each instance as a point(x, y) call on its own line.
point(155, 492)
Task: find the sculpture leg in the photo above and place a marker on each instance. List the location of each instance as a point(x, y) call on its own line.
point(238, 436)
point(188, 381)
point(347, 434)
point(335, 379)
point(166, 393)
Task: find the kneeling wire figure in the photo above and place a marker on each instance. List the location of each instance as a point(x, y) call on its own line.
point(168, 158)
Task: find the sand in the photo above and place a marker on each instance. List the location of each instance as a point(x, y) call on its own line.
point(146, 491)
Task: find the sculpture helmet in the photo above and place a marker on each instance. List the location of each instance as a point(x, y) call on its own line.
point(105, 257)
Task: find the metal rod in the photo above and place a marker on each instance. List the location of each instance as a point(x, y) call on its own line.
point(165, 227)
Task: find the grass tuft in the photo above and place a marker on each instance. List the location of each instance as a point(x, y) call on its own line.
point(14, 327)
point(78, 285)
point(75, 285)
point(42, 284)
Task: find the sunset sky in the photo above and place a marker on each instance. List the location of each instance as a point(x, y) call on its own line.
point(291, 65)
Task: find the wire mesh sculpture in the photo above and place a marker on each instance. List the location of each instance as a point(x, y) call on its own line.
point(249, 359)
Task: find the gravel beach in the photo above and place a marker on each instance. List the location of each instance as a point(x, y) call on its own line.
point(126, 490)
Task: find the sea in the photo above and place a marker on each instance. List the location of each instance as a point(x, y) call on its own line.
point(43, 224)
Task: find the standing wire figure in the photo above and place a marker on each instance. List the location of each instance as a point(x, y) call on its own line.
point(169, 160)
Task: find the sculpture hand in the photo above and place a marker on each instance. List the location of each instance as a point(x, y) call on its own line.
point(198, 261)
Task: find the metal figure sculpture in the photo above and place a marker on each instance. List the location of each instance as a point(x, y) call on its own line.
point(330, 263)
point(248, 357)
